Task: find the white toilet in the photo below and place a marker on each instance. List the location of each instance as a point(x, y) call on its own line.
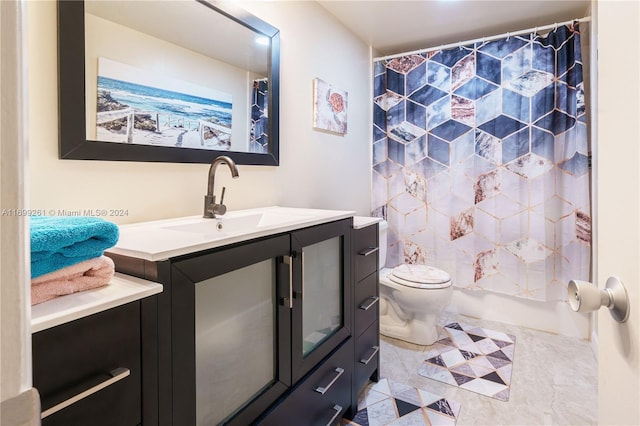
point(411, 298)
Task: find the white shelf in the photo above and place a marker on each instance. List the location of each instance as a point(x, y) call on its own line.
point(121, 290)
point(360, 222)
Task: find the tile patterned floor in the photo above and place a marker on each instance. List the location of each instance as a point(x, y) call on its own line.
point(397, 404)
point(471, 357)
point(555, 378)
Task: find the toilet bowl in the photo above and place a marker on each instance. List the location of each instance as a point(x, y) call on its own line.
point(412, 298)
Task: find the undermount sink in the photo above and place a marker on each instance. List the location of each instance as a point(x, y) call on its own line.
point(237, 223)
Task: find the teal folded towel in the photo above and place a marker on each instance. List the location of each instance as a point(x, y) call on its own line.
point(58, 242)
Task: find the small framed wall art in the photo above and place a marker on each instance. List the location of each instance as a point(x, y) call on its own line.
point(329, 108)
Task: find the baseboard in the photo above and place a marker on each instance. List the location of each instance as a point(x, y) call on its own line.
point(21, 410)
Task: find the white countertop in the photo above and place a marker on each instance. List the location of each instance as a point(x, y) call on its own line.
point(360, 222)
point(122, 289)
point(156, 240)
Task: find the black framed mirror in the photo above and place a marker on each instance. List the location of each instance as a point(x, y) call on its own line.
point(151, 81)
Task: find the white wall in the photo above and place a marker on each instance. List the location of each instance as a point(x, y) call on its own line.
point(618, 206)
point(15, 349)
point(19, 402)
point(317, 170)
point(321, 169)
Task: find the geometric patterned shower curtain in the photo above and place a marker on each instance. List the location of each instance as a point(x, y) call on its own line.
point(258, 137)
point(481, 163)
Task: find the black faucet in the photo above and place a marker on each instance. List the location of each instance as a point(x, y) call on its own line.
point(211, 209)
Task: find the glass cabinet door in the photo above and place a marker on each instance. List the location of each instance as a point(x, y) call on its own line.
point(230, 344)
point(235, 339)
point(321, 293)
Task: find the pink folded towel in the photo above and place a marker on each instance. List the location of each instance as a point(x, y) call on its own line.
point(82, 276)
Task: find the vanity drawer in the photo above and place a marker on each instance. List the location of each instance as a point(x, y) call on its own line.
point(307, 405)
point(367, 355)
point(365, 251)
point(99, 356)
point(366, 303)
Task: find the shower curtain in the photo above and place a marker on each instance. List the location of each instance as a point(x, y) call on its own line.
point(259, 137)
point(481, 163)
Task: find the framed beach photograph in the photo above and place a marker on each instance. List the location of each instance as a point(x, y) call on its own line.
point(329, 108)
point(139, 107)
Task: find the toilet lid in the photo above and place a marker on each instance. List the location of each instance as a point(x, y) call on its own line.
point(420, 276)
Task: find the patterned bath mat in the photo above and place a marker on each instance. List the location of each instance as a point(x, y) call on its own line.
point(473, 358)
point(391, 403)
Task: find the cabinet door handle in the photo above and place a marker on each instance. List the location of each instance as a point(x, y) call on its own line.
point(323, 389)
point(289, 301)
point(302, 263)
point(366, 361)
point(338, 410)
point(116, 375)
point(368, 251)
point(374, 300)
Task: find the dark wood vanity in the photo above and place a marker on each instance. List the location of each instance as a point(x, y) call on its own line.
point(322, 311)
point(71, 359)
point(366, 308)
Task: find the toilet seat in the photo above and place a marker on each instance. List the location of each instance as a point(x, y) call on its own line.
point(420, 276)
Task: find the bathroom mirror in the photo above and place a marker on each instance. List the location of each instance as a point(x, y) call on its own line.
point(167, 81)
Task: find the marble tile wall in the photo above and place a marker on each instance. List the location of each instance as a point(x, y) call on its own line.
point(481, 163)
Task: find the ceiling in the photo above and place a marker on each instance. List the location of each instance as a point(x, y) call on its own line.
point(397, 26)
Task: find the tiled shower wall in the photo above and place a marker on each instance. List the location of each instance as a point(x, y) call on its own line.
point(481, 163)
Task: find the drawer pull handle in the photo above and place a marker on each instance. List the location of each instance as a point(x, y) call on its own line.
point(116, 375)
point(368, 251)
point(323, 389)
point(374, 300)
point(338, 410)
point(366, 361)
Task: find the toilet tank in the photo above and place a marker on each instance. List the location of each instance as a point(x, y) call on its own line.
point(382, 229)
